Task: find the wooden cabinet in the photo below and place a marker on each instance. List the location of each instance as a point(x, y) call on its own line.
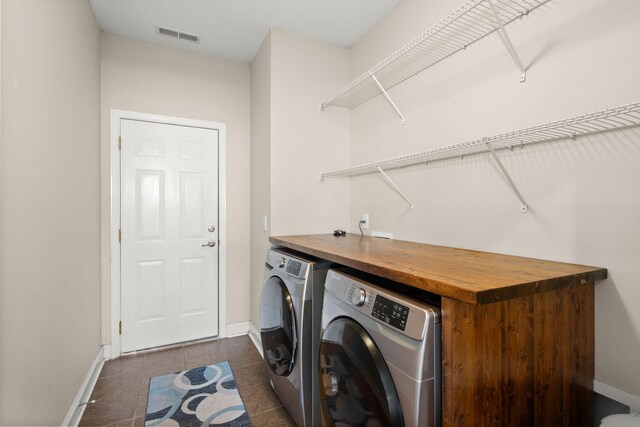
point(526, 361)
point(517, 333)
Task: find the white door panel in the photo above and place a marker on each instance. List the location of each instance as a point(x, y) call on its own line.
point(169, 283)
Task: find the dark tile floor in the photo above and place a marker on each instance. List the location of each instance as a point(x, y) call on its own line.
point(123, 386)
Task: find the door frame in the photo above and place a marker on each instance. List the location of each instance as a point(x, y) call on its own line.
point(116, 117)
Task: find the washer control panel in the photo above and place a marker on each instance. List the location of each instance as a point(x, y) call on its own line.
point(358, 297)
point(391, 312)
point(394, 310)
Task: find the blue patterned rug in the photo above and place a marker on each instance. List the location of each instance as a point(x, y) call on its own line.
point(198, 397)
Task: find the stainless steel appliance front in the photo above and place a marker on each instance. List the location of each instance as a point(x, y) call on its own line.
point(290, 330)
point(379, 356)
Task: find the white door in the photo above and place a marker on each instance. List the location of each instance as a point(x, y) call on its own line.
point(169, 219)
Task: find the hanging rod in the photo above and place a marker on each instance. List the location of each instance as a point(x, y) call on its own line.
point(473, 21)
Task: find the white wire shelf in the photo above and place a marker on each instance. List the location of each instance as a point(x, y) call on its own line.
point(600, 121)
point(617, 118)
point(473, 21)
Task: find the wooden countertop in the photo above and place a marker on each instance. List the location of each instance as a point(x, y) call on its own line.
point(470, 276)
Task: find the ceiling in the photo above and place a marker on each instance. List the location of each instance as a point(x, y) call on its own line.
point(235, 29)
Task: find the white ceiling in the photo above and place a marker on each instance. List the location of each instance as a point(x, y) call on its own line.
point(235, 29)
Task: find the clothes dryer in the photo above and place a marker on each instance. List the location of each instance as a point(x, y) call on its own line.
point(290, 309)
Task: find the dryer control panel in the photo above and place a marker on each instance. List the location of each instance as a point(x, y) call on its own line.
point(285, 262)
point(293, 267)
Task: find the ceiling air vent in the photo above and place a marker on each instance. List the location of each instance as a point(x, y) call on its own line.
point(189, 37)
point(178, 35)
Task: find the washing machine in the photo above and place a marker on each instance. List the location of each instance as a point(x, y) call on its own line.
point(290, 309)
point(379, 361)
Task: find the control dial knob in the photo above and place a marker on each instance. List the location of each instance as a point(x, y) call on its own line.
point(281, 262)
point(358, 297)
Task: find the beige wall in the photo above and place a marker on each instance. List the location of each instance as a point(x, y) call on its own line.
point(583, 196)
point(152, 79)
point(303, 141)
point(260, 168)
point(49, 207)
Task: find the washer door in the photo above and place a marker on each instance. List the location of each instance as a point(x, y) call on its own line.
point(278, 327)
point(356, 388)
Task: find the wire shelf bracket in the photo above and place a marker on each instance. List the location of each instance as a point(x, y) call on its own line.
point(524, 207)
point(389, 181)
point(506, 40)
point(395, 187)
point(388, 98)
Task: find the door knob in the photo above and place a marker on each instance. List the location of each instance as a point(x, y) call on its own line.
point(210, 244)
point(211, 229)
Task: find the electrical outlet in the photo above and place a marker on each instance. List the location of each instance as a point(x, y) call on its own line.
point(365, 224)
point(265, 223)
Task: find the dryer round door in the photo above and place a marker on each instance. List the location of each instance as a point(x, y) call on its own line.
point(278, 326)
point(356, 388)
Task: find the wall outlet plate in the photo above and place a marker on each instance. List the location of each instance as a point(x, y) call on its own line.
point(365, 224)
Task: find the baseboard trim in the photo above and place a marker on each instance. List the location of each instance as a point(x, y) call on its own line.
point(75, 411)
point(618, 395)
point(236, 329)
point(255, 337)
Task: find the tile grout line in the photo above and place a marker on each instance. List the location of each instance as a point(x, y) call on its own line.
point(266, 412)
point(140, 385)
